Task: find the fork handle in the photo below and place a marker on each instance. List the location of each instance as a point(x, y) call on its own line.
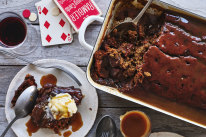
point(15, 56)
point(57, 67)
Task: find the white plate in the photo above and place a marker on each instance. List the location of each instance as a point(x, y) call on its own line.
point(87, 108)
point(164, 134)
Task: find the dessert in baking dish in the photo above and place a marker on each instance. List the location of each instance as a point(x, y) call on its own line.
point(55, 106)
point(166, 55)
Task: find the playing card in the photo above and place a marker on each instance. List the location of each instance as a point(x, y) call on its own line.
point(76, 11)
point(54, 29)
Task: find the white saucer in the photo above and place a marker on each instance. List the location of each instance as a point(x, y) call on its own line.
point(164, 134)
point(87, 108)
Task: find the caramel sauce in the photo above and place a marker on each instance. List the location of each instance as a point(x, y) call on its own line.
point(31, 128)
point(135, 124)
point(77, 122)
point(60, 134)
point(182, 110)
point(48, 79)
point(67, 133)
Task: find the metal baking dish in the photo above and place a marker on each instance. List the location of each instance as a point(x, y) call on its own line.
point(180, 111)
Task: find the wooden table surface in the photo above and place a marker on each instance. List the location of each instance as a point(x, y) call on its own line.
point(75, 53)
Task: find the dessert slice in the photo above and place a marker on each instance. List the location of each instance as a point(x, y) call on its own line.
point(55, 107)
point(28, 81)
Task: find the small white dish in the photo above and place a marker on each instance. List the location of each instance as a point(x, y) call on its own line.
point(87, 108)
point(164, 134)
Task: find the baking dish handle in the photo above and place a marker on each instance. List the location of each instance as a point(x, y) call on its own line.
point(83, 28)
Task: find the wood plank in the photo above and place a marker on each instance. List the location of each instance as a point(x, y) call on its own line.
point(6, 75)
point(73, 52)
point(160, 122)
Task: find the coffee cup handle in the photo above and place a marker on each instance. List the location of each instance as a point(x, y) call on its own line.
point(83, 28)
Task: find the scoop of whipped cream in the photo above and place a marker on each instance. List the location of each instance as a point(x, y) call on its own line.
point(62, 106)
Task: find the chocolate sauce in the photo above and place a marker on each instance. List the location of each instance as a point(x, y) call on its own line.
point(193, 26)
point(48, 79)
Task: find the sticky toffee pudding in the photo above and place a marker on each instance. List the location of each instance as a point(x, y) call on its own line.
point(56, 107)
point(166, 56)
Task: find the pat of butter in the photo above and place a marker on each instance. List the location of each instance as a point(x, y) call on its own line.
point(62, 106)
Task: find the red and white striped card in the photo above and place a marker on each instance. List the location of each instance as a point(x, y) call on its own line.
point(77, 10)
point(54, 29)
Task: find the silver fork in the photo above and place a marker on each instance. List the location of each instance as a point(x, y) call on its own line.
point(40, 66)
point(105, 134)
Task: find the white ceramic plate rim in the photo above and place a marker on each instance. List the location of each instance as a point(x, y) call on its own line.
point(79, 73)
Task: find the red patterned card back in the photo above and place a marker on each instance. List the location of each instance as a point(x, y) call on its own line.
point(77, 10)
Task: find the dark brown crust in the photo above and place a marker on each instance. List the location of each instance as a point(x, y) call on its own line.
point(118, 62)
point(39, 115)
point(28, 81)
